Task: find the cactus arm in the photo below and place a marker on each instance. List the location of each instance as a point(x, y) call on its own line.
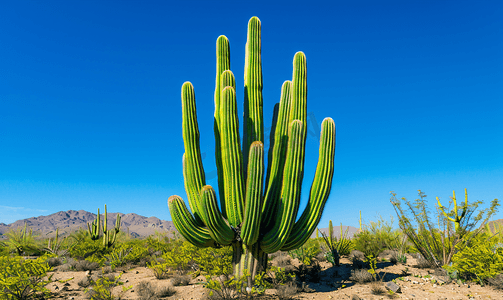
point(231, 157)
point(219, 229)
point(223, 64)
point(193, 162)
point(94, 229)
point(118, 224)
point(299, 88)
point(457, 218)
point(253, 199)
point(290, 192)
point(253, 128)
point(320, 189)
point(186, 224)
point(277, 157)
point(465, 206)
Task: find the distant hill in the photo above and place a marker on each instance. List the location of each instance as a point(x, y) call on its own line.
point(493, 223)
point(70, 221)
point(139, 226)
point(337, 231)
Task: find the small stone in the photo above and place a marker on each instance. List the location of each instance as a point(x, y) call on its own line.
point(355, 297)
point(127, 280)
point(395, 288)
point(137, 272)
point(414, 282)
point(67, 284)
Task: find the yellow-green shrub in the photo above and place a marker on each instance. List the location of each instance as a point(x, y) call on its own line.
point(23, 278)
point(480, 260)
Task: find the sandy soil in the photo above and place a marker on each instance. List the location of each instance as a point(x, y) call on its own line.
point(419, 284)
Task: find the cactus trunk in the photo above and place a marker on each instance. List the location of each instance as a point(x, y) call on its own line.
point(250, 258)
point(254, 217)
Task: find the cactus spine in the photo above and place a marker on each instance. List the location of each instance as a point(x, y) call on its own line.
point(457, 218)
point(254, 219)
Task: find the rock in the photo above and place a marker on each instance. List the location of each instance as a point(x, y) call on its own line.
point(395, 288)
point(355, 297)
point(66, 284)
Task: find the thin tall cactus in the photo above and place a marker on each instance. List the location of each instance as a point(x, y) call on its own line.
point(254, 219)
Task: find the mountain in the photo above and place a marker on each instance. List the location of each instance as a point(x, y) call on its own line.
point(351, 231)
point(70, 221)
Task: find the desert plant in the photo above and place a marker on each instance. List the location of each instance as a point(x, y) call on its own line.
point(479, 260)
point(305, 253)
point(23, 278)
point(109, 236)
point(180, 280)
point(438, 244)
point(247, 211)
point(375, 237)
point(102, 288)
point(361, 276)
point(286, 291)
point(56, 245)
point(337, 246)
point(21, 240)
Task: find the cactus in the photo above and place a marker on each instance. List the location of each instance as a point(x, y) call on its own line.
point(456, 218)
point(94, 228)
point(254, 219)
point(109, 236)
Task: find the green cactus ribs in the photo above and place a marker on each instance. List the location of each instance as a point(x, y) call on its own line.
point(255, 216)
point(109, 236)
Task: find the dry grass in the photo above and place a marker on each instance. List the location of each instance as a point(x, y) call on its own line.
point(376, 288)
point(361, 276)
point(287, 291)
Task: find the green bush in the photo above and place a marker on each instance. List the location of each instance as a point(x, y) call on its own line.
point(307, 252)
point(376, 237)
point(480, 260)
point(23, 279)
point(21, 241)
point(187, 257)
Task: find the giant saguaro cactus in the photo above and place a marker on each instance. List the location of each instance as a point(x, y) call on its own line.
point(253, 218)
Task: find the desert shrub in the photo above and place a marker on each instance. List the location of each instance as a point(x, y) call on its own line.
point(480, 260)
point(23, 279)
point(132, 251)
point(360, 276)
point(306, 253)
point(496, 282)
point(439, 243)
point(358, 263)
point(146, 291)
point(102, 288)
point(180, 280)
point(421, 262)
point(21, 241)
point(282, 261)
point(213, 261)
point(287, 291)
point(54, 261)
point(87, 248)
point(165, 292)
point(280, 276)
point(226, 287)
point(305, 273)
point(376, 288)
point(376, 237)
point(85, 265)
point(84, 282)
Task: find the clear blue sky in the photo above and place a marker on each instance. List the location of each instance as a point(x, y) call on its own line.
point(90, 109)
